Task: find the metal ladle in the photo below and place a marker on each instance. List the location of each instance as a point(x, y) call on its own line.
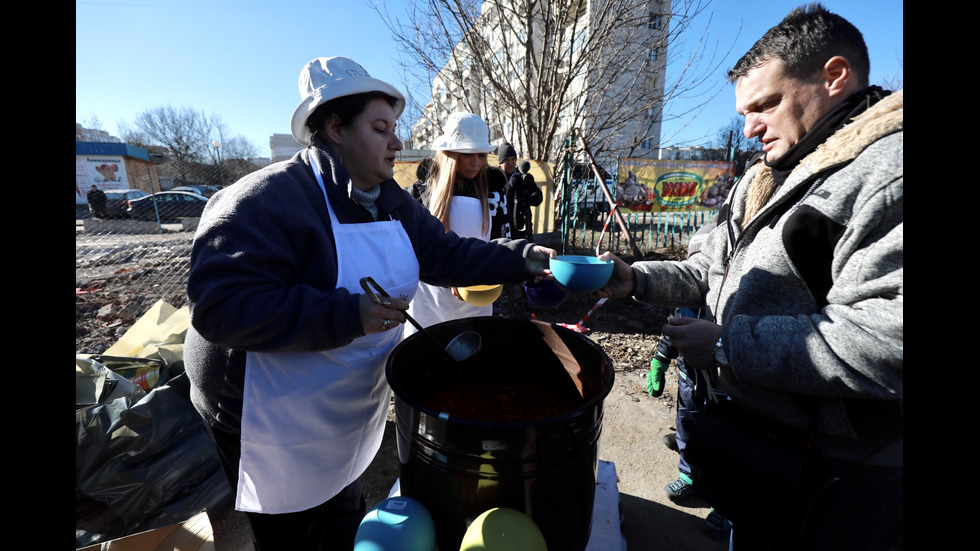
point(460, 348)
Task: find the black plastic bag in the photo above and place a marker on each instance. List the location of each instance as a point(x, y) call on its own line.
point(151, 462)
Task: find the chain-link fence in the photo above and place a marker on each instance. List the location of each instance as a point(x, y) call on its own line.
point(139, 252)
point(134, 250)
point(120, 274)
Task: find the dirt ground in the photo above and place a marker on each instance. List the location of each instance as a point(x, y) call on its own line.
point(633, 425)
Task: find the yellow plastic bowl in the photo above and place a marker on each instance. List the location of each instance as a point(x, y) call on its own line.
point(503, 529)
point(481, 295)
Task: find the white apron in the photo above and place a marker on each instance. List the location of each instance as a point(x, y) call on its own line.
point(434, 304)
point(313, 421)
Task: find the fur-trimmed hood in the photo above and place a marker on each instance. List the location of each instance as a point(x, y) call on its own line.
point(881, 119)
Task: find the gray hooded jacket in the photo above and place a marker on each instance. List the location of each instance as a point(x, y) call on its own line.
point(810, 291)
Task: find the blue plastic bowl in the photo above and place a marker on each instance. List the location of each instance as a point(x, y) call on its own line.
point(545, 295)
point(396, 524)
point(582, 274)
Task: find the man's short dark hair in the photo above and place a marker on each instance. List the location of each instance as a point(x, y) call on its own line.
point(804, 41)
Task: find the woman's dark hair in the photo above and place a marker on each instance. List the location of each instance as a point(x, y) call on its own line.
point(804, 41)
point(345, 107)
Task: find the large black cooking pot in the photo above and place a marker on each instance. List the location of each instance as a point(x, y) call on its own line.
point(544, 466)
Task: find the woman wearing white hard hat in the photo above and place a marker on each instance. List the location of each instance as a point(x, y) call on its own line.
point(469, 199)
point(286, 352)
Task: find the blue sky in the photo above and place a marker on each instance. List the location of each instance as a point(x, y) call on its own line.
point(240, 59)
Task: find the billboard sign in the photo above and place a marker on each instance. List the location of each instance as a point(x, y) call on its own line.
point(669, 186)
point(105, 172)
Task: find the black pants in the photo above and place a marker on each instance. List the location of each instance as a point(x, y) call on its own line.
point(780, 497)
point(860, 511)
point(330, 526)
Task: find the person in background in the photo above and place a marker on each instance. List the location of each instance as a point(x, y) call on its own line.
point(458, 193)
point(526, 195)
point(665, 350)
point(97, 202)
point(803, 286)
point(422, 174)
point(507, 163)
point(692, 398)
point(286, 352)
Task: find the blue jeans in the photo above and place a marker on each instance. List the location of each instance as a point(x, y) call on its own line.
point(691, 396)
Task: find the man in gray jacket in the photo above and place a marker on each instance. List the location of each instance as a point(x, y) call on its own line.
point(803, 281)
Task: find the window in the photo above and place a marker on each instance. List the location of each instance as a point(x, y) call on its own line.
point(655, 21)
point(654, 53)
point(647, 143)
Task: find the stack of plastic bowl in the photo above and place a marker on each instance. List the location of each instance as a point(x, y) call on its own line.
point(396, 524)
point(480, 295)
point(503, 529)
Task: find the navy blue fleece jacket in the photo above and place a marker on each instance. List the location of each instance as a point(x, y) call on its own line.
point(263, 272)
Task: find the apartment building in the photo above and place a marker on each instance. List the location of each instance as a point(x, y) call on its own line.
point(536, 71)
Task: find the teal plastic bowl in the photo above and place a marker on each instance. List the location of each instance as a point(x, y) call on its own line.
point(581, 274)
point(396, 524)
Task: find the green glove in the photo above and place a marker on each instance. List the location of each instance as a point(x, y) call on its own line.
point(655, 377)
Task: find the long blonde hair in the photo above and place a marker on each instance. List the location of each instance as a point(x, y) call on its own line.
point(441, 183)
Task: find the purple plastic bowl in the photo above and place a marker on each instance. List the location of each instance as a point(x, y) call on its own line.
point(545, 295)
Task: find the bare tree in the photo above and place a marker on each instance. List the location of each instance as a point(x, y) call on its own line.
point(212, 132)
point(134, 136)
point(180, 130)
point(238, 158)
point(535, 69)
point(893, 82)
point(98, 133)
point(192, 139)
point(239, 148)
point(732, 138)
point(94, 123)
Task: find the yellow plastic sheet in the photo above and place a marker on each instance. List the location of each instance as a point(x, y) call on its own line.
point(162, 326)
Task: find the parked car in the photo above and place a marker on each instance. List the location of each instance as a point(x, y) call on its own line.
point(116, 206)
point(169, 204)
point(590, 202)
point(204, 190)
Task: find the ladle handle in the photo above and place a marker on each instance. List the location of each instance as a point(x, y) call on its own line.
point(368, 282)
